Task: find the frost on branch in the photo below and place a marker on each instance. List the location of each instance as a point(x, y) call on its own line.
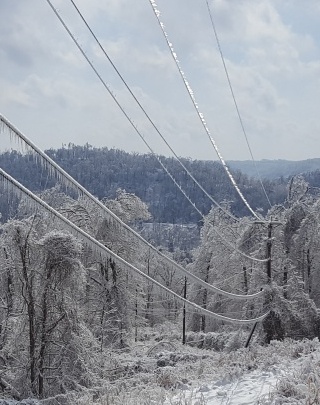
point(128, 207)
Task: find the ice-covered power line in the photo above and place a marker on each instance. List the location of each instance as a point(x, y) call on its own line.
point(230, 245)
point(12, 185)
point(235, 101)
point(56, 171)
point(200, 114)
point(148, 116)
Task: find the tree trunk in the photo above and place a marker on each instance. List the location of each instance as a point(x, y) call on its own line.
point(205, 301)
point(285, 282)
point(31, 317)
point(245, 280)
point(184, 312)
point(309, 262)
point(43, 335)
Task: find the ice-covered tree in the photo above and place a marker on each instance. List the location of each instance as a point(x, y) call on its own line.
point(44, 280)
point(218, 261)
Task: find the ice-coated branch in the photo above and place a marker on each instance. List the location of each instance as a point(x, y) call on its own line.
point(70, 182)
point(103, 252)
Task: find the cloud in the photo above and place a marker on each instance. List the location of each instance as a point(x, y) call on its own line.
point(271, 50)
point(14, 94)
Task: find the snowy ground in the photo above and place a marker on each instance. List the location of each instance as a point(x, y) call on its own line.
point(249, 389)
point(168, 373)
point(280, 373)
point(293, 378)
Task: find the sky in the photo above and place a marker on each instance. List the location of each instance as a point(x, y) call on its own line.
point(271, 50)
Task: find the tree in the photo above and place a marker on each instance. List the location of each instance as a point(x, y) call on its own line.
point(48, 274)
point(293, 259)
point(217, 262)
point(60, 288)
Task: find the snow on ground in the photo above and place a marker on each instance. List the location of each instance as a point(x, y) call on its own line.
point(293, 378)
point(169, 373)
point(252, 388)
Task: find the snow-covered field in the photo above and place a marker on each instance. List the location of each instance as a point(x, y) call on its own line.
point(282, 373)
point(258, 387)
point(169, 373)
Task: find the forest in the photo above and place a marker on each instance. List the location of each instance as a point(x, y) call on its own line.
point(72, 308)
point(102, 171)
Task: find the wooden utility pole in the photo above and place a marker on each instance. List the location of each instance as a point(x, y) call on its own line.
point(250, 335)
point(269, 261)
point(136, 317)
point(184, 313)
point(269, 247)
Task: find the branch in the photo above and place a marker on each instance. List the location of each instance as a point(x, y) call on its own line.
point(55, 323)
point(5, 385)
point(95, 280)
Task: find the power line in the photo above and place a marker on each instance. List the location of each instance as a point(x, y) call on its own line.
point(147, 115)
point(62, 175)
point(55, 170)
point(120, 107)
point(9, 183)
point(235, 101)
point(195, 104)
point(234, 248)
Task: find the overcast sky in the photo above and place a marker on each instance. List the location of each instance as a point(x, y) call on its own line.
point(271, 50)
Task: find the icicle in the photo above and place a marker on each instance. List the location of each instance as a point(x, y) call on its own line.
point(105, 85)
point(69, 181)
point(96, 246)
point(191, 94)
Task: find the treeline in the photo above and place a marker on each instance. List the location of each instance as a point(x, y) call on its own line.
point(102, 171)
point(272, 169)
point(68, 306)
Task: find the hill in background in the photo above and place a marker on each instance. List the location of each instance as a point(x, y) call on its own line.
point(273, 169)
point(102, 171)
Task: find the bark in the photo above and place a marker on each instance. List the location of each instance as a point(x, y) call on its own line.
point(205, 301)
point(30, 301)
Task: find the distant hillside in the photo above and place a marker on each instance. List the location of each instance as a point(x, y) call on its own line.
point(273, 169)
point(102, 171)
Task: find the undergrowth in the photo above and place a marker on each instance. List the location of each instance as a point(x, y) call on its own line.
point(171, 374)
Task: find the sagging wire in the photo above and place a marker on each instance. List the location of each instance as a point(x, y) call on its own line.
point(235, 101)
point(148, 116)
point(11, 184)
point(200, 114)
point(56, 170)
point(234, 248)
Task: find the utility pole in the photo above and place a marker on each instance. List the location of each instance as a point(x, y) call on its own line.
point(136, 317)
point(269, 246)
point(269, 260)
point(184, 313)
